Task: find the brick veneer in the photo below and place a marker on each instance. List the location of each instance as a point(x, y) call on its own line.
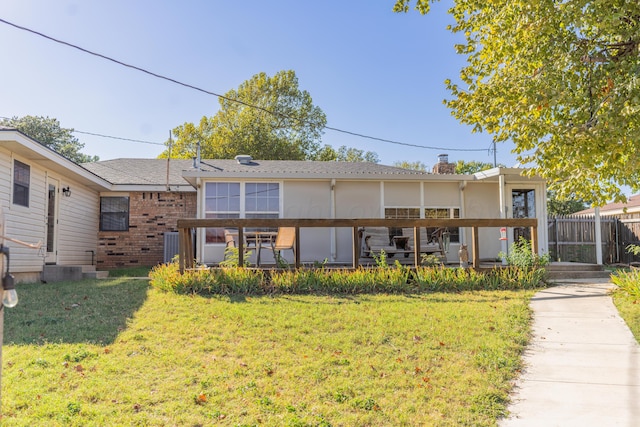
point(150, 216)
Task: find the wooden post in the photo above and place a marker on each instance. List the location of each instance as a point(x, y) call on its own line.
point(181, 249)
point(296, 245)
point(533, 230)
point(356, 247)
point(240, 247)
point(416, 246)
point(476, 247)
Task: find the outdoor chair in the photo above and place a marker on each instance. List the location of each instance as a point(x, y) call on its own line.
point(286, 239)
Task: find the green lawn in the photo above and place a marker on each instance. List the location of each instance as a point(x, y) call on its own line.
point(115, 352)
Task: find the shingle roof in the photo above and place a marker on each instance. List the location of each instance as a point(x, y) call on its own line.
point(633, 204)
point(154, 171)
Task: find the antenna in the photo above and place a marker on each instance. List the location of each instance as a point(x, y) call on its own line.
point(168, 160)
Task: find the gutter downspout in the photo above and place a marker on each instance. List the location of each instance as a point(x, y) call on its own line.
point(334, 231)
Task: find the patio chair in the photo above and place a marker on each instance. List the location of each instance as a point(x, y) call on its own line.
point(285, 239)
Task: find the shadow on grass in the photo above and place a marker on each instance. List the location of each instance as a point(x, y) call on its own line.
point(88, 311)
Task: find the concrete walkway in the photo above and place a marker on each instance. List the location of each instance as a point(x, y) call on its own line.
point(582, 367)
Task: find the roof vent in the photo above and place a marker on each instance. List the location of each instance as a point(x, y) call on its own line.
point(244, 159)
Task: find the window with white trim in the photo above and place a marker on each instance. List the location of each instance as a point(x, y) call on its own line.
point(239, 200)
point(414, 213)
point(444, 213)
point(21, 183)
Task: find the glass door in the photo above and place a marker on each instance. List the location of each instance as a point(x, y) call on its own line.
point(52, 221)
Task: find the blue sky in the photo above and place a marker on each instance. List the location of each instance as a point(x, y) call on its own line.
point(371, 71)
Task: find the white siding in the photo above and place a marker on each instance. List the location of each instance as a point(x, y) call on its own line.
point(402, 194)
point(77, 224)
point(26, 223)
point(78, 218)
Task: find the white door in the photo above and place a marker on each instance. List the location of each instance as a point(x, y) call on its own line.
point(53, 186)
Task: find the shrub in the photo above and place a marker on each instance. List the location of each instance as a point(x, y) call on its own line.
point(520, 255)
point(628, 282)
point(384, 279)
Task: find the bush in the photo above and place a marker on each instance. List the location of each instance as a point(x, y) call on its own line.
point(628, 282)
point(381, 279)
point(520, 255)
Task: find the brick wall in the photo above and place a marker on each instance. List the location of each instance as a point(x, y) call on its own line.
point(150, 216)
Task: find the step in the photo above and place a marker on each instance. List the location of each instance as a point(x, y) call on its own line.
point(573, 266)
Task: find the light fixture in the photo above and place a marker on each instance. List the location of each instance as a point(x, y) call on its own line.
point(66, 191)
point(446, 240)
point(9, 294)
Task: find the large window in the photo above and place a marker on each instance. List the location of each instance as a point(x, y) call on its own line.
point(414, 213)
point(444, 213)
point(21, 183)
point(114, 213)
point(239, 200)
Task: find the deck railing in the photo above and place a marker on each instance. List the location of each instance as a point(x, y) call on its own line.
point(186, 227)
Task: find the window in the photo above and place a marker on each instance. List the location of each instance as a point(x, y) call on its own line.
point(240, 200)
point(21, 180)
point(411, 213)
point(114, 213)
point(222, 200)
point(444, 213)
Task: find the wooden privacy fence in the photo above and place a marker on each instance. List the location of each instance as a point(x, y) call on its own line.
point(572, 238)
point(187, 226)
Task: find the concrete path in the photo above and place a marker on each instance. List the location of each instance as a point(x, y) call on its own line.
point(583, 363)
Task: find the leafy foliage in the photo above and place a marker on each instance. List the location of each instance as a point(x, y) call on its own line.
point(47, 131)
point(414, 166)
point(556, 206)
point(285, 126)
point(520, 255)
point(628, 282)
point(396, 279)
point(471, 167)
point(560, 80)
point(346, 154)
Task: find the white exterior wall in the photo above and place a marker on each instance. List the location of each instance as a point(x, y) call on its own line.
point(78, 219)
point(309, 200)
point(367, 199)
point(78, 222)
point(482, 200)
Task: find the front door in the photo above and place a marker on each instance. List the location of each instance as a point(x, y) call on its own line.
point(523, 206)
point(52, 221)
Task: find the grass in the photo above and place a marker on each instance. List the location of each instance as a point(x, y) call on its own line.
point(627, 298)
point(130, 272)
point(115, 352)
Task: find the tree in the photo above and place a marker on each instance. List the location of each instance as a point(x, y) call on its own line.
point(47, 131)
point(473, 166)
point(414, 166)
point(558, 78)
point(556, 206)
point(267, 118)
point(346, 154)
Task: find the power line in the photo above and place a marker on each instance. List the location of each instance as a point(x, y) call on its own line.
point(117, 137)
point(246, 104)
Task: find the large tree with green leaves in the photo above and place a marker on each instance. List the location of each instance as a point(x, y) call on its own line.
point(47, 131)
point(561, 79)
point(266, 117)
point(346, 154)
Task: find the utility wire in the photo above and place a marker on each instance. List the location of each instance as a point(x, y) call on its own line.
point(238, 101)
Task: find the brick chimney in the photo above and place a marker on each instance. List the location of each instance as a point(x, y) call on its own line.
point(443, 166)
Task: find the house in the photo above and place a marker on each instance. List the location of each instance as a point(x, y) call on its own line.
point(119, 212)
point(629, 209)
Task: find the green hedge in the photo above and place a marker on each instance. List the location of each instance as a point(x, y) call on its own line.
point(396, 280)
